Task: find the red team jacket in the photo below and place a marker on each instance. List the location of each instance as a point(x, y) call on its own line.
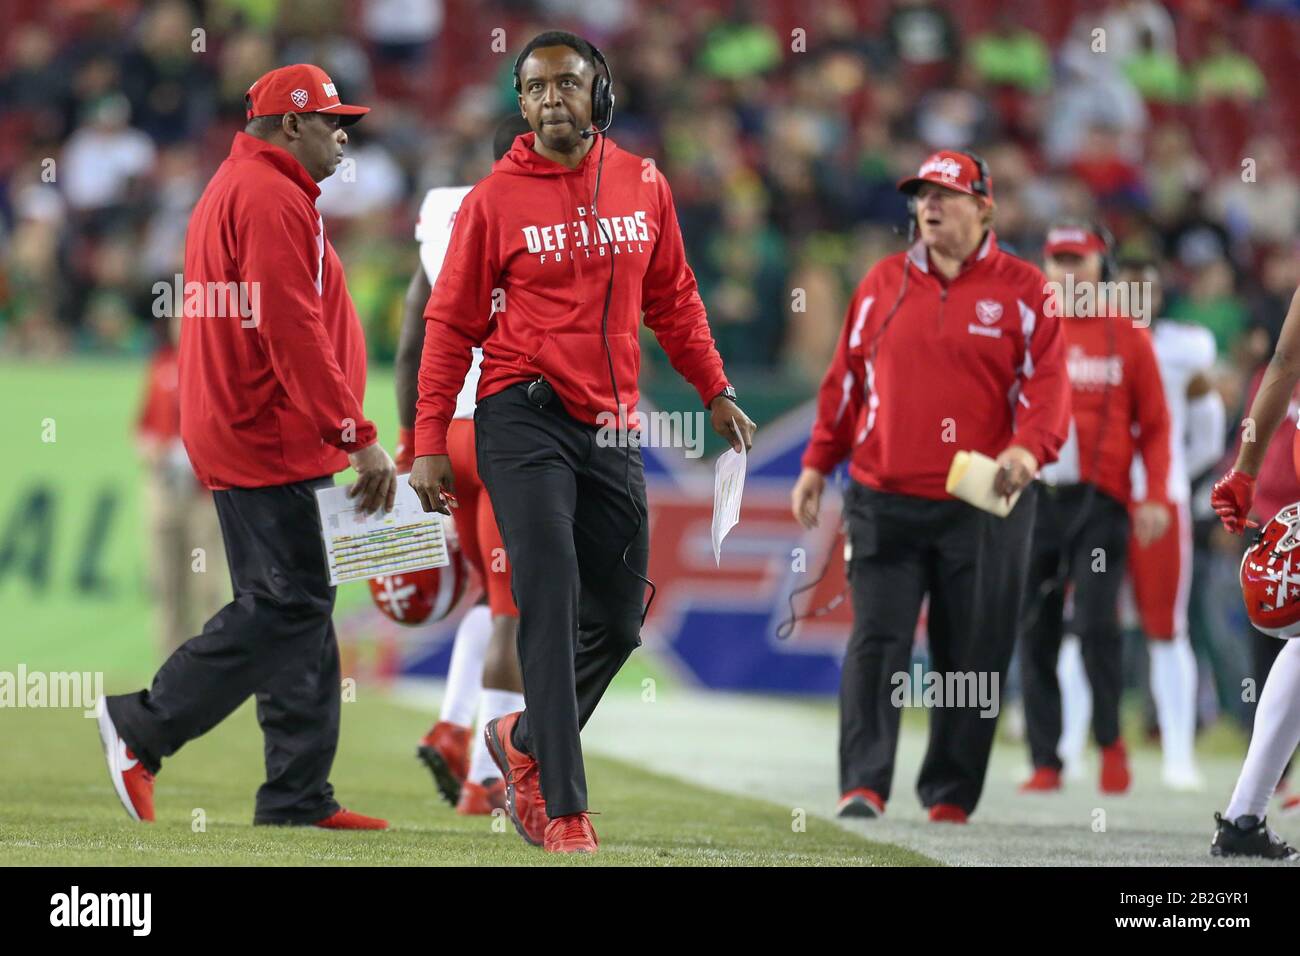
point(278, 401)
point(967, 364)
point(526, 234)
point(160, 413)
point(1115, 386)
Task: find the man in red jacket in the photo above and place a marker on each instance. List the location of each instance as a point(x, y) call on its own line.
point(1082, 528)
point(945, 347)
point(551, 277)
point(272, 371)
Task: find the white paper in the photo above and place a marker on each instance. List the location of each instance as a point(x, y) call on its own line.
point(971, 478)
point(360, 546)
point(728, 487)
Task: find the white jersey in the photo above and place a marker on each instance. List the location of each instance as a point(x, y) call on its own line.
point(1182, 351)
point(433, 233)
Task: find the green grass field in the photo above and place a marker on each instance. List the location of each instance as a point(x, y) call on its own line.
point(57, 807)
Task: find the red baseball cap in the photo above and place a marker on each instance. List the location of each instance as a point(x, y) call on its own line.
point(954, 170)
point(1072, 240)
point(301, 88)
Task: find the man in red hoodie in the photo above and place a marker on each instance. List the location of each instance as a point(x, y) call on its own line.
point(272, 372)
point(554, 259)
point(945, 347)
point(1082, 527)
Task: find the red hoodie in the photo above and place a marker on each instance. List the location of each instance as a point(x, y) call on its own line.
point(525, 277)
point(275, 398)
point(1115, 392)
point(971, 363)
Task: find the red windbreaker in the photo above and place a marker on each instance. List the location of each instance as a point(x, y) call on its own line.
point(276, 397)
point(1115, 390)
point(967, 364)
point(525, 278)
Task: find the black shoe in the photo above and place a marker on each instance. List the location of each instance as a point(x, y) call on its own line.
point(1249, 836)
point(443, 777)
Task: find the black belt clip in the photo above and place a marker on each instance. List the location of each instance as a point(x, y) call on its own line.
point(540, 392)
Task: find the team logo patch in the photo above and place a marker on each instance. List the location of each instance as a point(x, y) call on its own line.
point(299, 98)
point(988, 311)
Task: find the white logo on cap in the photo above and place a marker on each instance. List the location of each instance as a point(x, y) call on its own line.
point(329, 89)
point(988, 310)
point(299, 98)
point(948, 169)
point(1077, 236)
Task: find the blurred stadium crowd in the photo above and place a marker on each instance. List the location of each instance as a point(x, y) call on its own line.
point(782, 125)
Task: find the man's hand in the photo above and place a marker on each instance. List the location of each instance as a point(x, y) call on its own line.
point(723, 411)
point(1016, 468)
point(376, 482)
point(1231, 499)
point(1150, 521)
point(431, 479)
point(806, 498)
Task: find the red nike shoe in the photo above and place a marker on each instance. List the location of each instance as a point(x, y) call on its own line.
point(347, 820)
point(571, 833)
point(861, 802)
point(1115, 776)
point(947, 813)
point(133, 783)
point(524, 800)
point(480, 799)
point(1044, 780)
point(445, 751)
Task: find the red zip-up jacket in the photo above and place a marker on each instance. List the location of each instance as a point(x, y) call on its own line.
point(1115, 390)
point(968, 364)
point(275, 397)
point(525, 277)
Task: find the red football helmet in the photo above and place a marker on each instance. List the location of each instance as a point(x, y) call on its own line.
point(1270, 575)
point(421, 597)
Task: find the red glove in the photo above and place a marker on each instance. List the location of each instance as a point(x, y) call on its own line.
point(1232, 498)
point(404, 455)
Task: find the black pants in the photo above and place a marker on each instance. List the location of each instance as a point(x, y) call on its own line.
point(275, 640)
point(1080, 539)
point(562, 505)
point(972, 564)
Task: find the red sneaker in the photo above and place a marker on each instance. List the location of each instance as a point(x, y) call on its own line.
point(1115, 776)
point(480, 799)
point(947, 813)
point(347, 820)
point(523, 780)
point(1044, 780)
point(571, 833)
point(861, 802)
point(133, 783)
point(445, 751)
point(1291, 805)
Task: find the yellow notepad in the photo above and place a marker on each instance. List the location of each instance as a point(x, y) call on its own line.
point(970, 478)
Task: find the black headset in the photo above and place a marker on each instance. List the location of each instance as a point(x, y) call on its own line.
point(602, 91)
